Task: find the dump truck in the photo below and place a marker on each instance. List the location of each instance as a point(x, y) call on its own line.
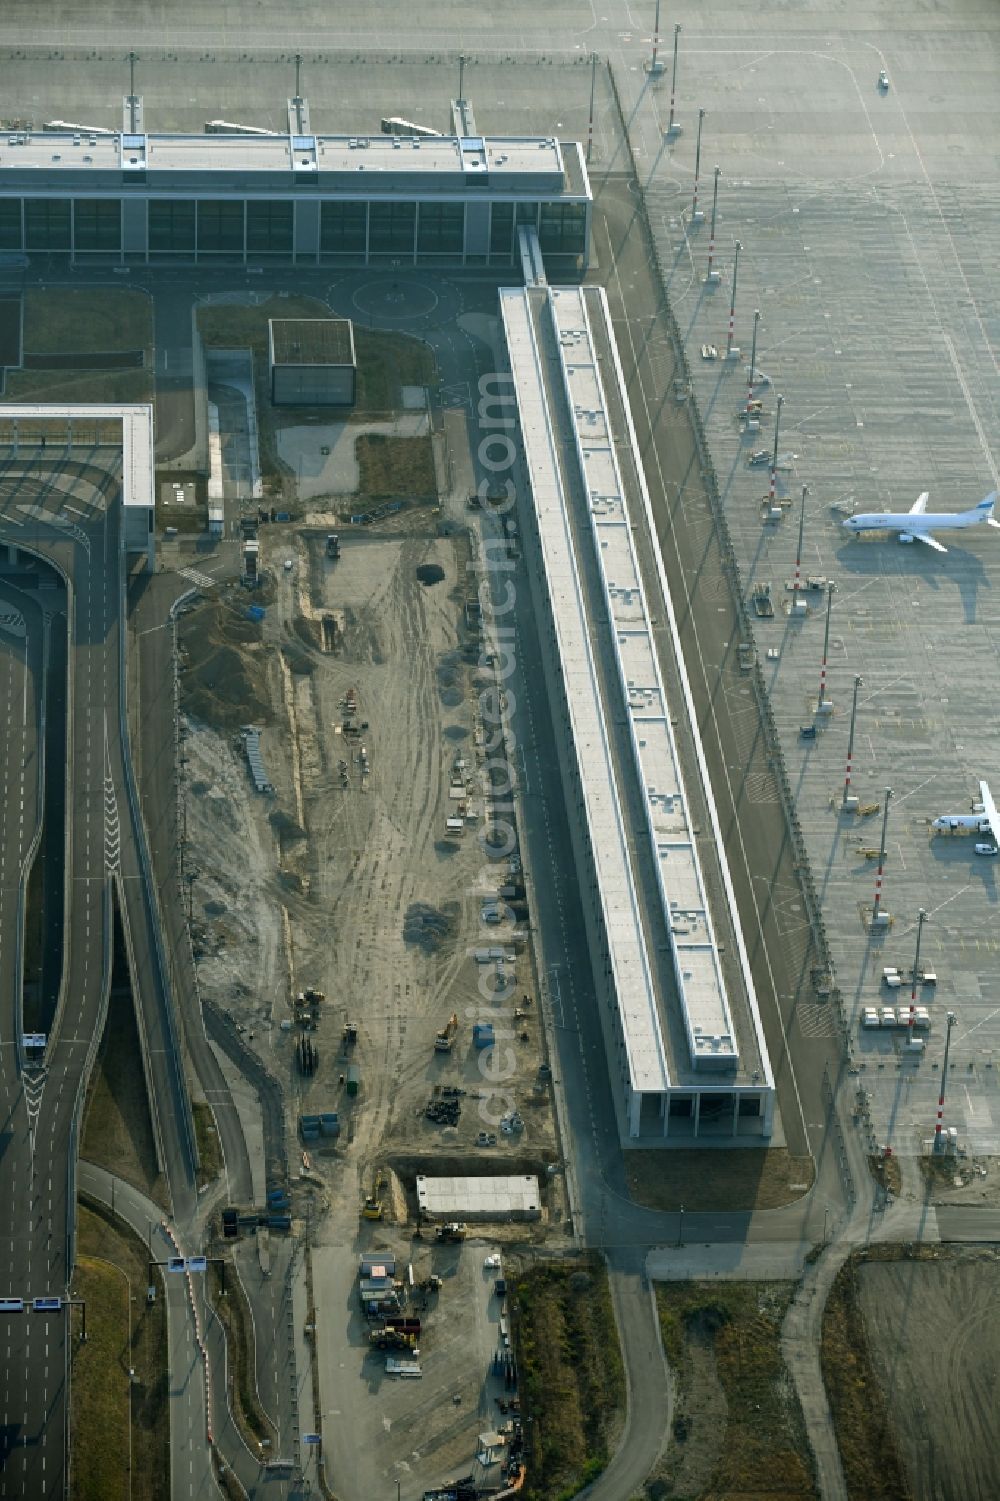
point(453, 1230)
point(408, 1326)
point(445, 1039)
point(393, 1339)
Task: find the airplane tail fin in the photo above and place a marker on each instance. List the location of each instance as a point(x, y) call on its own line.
point(985, 508)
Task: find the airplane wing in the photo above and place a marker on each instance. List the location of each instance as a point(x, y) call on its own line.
point(919, 506)
point(990, 811)
point(931, 541)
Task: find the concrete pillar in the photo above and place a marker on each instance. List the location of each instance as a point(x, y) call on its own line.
point(134, 222)
point(305, 241)
point(477, 228)
point(634, 1107)
point(697, 1113)
point(736, 1112)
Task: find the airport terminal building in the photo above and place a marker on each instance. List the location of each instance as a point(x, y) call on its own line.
point(685, 1044)
point(444, 201)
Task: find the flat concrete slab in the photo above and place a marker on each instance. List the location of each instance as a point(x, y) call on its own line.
point(336, 471)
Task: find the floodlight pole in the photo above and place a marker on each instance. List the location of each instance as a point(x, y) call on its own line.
point(732, 301)
point(711, 237)
point(593, 88)
point(938, 1140)
point(697, 170)
point(753, 362)
point(797, 582)
point(921, 919)
point(881, 855)
point(850, 740)
point(673, 82)
point(774, 456)
point(131, 91)
point(461, 77)
point(298, 76)
point(656, 41)
point(826, 646)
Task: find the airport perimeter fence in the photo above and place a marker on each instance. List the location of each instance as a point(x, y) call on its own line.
point(840, 1145)
point(348, 54)
point(824, 974)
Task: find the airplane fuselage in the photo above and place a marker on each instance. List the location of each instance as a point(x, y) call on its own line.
point(973, 822)
point(937, 521)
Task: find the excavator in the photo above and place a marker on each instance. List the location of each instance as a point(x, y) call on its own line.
point(372, 1207)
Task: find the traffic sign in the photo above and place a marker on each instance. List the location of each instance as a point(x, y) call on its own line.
point(312, 1438)
point(34, 1040)
point(176, 1264)
point(11, 1305)
point(197, 1264)
point(47, 1305)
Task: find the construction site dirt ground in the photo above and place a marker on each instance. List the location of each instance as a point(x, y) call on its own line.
point(347, 879)
point(377, 1429)
point(933, 1328)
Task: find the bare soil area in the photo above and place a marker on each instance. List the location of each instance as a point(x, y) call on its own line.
point(966, 1180)
point(738, 1429)
point(933, 1331)
point(366, 674)
point(700, 1179)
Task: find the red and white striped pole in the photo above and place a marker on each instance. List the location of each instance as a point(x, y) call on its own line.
point(672, 123)
point(696, 216)
point(711, 238)
point(774, 456)
point(850, 741)
point(921, 919)
point(939, 1123)
point(881, 856)
point(732, 301)
point(753, 359)
point(797, 582)
point(826, 647)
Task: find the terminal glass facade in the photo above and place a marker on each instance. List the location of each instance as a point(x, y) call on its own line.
point(270, 227)
point(438, 231)
point(97, 225)
point(171, 226)
point(47, 224)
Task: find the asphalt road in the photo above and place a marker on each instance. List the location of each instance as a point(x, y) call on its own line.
point(69, 514)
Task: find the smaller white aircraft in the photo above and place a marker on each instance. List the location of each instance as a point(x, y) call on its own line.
point(916, 524)
point(992, 819)
point(983, 819)
point(952, 822)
